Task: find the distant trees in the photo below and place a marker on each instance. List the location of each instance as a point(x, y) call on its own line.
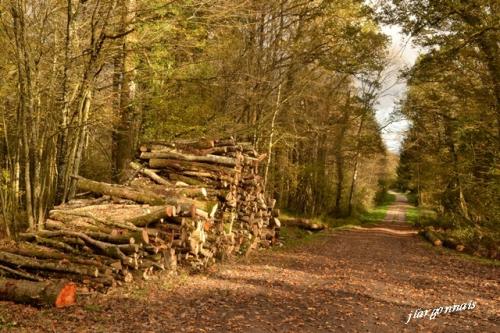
point(282, 75)
point(450, 155)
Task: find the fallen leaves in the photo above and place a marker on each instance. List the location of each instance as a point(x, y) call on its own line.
point(346, 282)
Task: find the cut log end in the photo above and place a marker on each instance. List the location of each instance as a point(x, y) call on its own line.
point(67, 296)
point(44, 293)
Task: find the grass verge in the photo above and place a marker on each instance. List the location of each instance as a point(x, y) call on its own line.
point(413, 215)
point(379, 212)
point(463, 255)
point(292, 237)
point(418, 216)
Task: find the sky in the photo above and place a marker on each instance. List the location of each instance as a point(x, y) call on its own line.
point(403, 54)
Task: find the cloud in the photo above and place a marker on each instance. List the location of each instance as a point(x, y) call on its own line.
point(402, 54)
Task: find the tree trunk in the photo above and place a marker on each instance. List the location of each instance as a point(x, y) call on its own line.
point(339, 158)
point(271, 136)
point(356, 162)
point(124, 87)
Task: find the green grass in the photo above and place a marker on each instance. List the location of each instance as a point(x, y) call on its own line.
point(378, 213)
point(292, 237)
point(6, 324)
point(413, 215)
point(421, 217)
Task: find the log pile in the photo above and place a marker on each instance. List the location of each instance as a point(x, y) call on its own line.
point(96, 243)
point(187, 203)
point(224, 175)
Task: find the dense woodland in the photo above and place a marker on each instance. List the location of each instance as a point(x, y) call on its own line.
point(86, 81)
point(450, 154)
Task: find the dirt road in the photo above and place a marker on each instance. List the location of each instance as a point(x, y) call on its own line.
point(361, 280)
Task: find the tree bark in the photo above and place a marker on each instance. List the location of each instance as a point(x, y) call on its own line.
point(124, 87)
point(339, 158)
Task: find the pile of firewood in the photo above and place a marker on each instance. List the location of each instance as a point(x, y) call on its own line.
point(187, 203)
point(224, 177)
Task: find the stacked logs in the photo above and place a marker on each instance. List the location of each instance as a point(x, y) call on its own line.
point(188, 203)
point(225, 175)
point(97, 243)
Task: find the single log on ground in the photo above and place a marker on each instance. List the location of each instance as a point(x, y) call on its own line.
point(20, 261)
point(303, 224)
point(47, 293)
point(452, 243)
point(118, 191)
point(432, 237)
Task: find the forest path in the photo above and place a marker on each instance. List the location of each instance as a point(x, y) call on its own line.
point(359, 280)
point(397, 210)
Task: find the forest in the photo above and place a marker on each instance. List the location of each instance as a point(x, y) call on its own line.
point(87, 81)
point(136, 136)
point(450, 154)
